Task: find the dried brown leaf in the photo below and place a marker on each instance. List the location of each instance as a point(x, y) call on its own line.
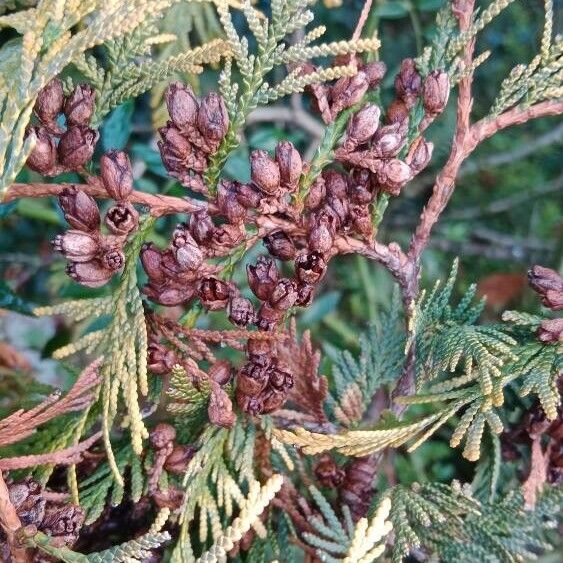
point(310, 388)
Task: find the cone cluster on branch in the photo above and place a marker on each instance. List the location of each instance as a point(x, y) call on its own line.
point(62, 522)
point(59, 149)
point(194, 132)
point(549, 285)
point(377, 149)
point(330, 100)
point(94, 257)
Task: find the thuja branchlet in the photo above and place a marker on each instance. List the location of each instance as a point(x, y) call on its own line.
point(200, 441)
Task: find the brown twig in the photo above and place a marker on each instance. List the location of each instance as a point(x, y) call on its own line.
point(362, 20)
point(10, 522)
point(159, 204)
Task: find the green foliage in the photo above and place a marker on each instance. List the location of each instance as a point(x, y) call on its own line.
point(538, 364)
point(130, 69)
point(288, 17)
point(133, 551)
point(123, 340)
point(95, 489)
point(501, 532)
point(429, 505)
point(541, 78)
point(380, 362)
point(350, 542)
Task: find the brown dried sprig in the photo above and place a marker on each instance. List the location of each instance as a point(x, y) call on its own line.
point(21, 424)
point(311, 388)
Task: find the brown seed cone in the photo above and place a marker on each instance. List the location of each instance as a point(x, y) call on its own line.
point(360, 186)
point(80, 209)
point(259, 351)
point(322, 229)
point(220, 409)
point(251, 405)
point(316, 194)
point(169, 296)
point(347, 92)
point(269, 317)
point(357, 489)
point(76, 146)
point(49, 102)
point(290, 165)
point(182, 104)
point(335, 184)
point(252, 377)
point(89, 274)
point(221, 372)
point(284, 294)
point(187, 252)
point(248, 196)
point(240, 311)
point(374, 72)
point(113, 259)
point(228, 202)
point(43, 157)
point(262, 277)
point(305, 294)
point(408, 83)
point(551, 330)
point(362, 126)
point(162, 435)
point(280, 379)
point(213, 293)
point(151, 259)
point(397, 112)
point(174, 144)
point(212, 117)
point(78, 246)
point(280, 245)
point(27, 499)
point(435, 92)
point(117, 174)
point(122, 219)
point(393, 175)
point(265, 172)
point(360, 219)
point(272, 400)
point(160, 359)
point(549, 285)
point(177, 462)
point(225, 238)
point(419, 156)
point(327, 472)
point(310, 267)
point(201, 226)
point(79, 106)
point(63, 523)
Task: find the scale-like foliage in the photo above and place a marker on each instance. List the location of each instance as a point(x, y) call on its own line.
point(501, 532)
point(96, 488)
point(539, 364)
point(124, 344)
point(287, 17)
point(429, 505)
point(380, 362)
point(52, 38)
point(351, 543)
point(134, 551)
